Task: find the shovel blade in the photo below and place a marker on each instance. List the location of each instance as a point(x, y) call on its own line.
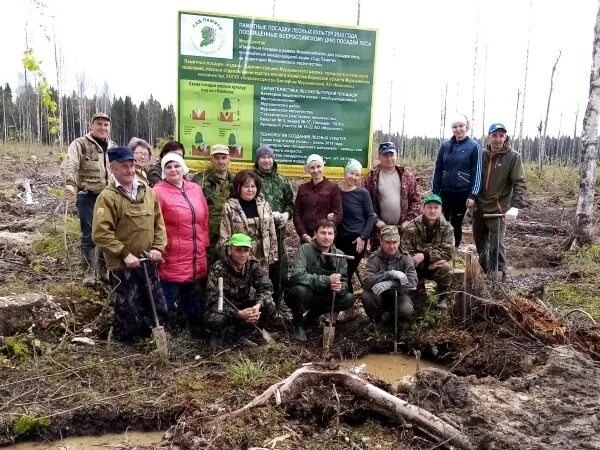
point(328, 336)
point(160, 339)
point(267, 337)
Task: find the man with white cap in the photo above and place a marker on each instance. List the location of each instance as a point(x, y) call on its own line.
point(316, 200)
point(457, 174)
point(394, 192)
point(277, 191)
point(503, 192)
point(216, 182)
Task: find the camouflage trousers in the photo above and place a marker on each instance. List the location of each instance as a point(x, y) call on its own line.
point(441, 275)
point(216, 321)
point(131, 303)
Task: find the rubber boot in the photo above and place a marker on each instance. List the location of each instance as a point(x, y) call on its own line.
point(88, 257)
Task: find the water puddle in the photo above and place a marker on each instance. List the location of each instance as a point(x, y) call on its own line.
point(94, 442)
point(390, 368)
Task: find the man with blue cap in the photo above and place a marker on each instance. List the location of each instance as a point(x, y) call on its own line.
point(127, 223)
point(393, 190)
point(502, 192)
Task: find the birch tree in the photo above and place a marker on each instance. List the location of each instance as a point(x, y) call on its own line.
point(520, 140)
point(584, 214)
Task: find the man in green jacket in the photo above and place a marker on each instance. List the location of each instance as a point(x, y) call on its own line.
point(86, 173)
point(503, 192)
point(429, 238)
point(315, 278)
point(240, 273)
point(216, 183)
point(277, 191)
point(128, 223)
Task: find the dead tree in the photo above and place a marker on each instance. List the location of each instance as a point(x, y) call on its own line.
point(517, 112)
point(357, 14)
point(443, 113)
point(520, 141)
point(584, 214)
point(485, 65)
point(573, 150)
point(474, 73)
point(542, 151)
point(390, 111)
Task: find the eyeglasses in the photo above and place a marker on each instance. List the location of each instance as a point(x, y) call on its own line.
point(140, 155)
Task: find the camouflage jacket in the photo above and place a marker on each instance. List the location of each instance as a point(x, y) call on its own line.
point(312, 269)
point(276, 190)
point(378, 264)
point(236, 285)
point(216, 191)
point(410, 199)
point(436, 245)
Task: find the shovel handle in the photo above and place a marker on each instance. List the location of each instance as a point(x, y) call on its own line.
point(150, 295)
point(237, 309)
point(337, 255)
point(220, 302)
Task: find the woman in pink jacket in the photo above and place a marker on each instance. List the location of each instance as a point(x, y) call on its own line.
point(185, 213)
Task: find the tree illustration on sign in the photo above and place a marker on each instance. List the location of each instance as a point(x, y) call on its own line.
point(208, 36)
point(226, 115)
point(226, 104)
point(232, 140)
point(199, 138)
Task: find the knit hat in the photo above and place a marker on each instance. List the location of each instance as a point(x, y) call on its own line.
point(459, 118)
point(315, 157)
point(264, 150)
point(352, 166)
point(173, 157)
point(240, 240)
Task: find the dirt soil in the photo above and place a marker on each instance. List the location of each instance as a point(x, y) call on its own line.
point(518, 376)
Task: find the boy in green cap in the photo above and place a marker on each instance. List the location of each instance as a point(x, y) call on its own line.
point(240, 272)
point(429, 238)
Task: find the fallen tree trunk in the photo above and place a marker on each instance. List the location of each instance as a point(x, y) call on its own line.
point(395, 408)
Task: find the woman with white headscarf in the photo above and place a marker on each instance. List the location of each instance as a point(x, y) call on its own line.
point(316, 200)
point(185, 213)
point(358, 218)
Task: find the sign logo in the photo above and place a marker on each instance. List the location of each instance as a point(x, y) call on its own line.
point(206, 36)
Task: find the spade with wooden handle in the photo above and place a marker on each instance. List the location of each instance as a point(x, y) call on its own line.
point(329, 330)
point(158, 332)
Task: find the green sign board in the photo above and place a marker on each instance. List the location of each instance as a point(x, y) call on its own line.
point(300, 88)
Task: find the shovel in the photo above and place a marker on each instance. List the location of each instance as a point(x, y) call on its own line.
point(329, 330)
point(395, 352)
point(266, 336)
point(158, 332)
point(497, 217)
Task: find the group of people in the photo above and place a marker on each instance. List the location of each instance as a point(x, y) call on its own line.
point(213, 245)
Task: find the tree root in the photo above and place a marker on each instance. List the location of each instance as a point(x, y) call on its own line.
point(393, 407)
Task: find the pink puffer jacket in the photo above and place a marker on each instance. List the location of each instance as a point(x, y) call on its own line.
point(186, 219)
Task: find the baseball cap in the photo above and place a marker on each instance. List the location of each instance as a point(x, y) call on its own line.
point(432, 198)
point(240, 240)
point(390, 233)
point(219, 149)
point(100, 115)
point(120, 154)
point(387, 147)
point(496, 127)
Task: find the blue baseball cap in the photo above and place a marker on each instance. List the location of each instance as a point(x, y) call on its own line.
point(120, 154)
point(387, 147)
point(496, 127)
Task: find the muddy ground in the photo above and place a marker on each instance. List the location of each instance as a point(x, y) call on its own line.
point(520, 374)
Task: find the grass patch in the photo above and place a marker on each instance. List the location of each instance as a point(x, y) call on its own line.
point(244, 371)
point(585, 261)
point(562, 181)
point(570, 295)
point(50, 240)
point(16, 286)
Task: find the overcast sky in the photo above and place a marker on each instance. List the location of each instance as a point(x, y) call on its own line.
point(422, 46)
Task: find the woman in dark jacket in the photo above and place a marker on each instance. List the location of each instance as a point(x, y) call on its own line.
point(316, 200)
point(457, 174)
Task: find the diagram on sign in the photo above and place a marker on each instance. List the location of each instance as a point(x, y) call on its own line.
point(216, 113)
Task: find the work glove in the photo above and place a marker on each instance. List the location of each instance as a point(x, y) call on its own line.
point(511, 214)
point(283, 218)
point(382, 286)
point(398, 275)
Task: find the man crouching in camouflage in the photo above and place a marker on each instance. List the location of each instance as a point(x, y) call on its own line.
point(429, 238)
point(239, 272)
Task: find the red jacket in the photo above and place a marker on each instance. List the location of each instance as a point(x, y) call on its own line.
point(186, 219)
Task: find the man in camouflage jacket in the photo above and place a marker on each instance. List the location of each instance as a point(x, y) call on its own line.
point(216, 183)
point(277, 191)
point(429, 238)
point(240, 273)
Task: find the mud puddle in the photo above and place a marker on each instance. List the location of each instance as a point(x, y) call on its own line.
point(94, 442)
point(390, 368)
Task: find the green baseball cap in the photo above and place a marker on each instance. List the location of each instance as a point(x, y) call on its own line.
point(432, 198)
point(240, 240)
